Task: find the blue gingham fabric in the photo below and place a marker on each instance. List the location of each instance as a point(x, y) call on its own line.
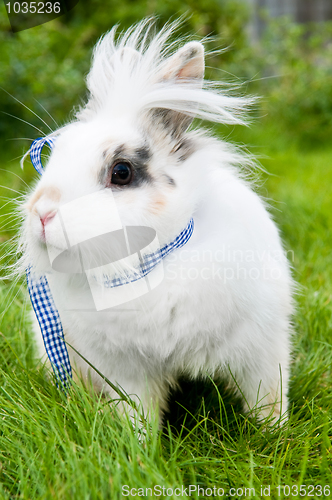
point(50, 325)
point(42, 300)
point(36, 149)
point(150, 261)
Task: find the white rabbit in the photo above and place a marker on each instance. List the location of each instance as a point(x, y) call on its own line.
point(224, 304)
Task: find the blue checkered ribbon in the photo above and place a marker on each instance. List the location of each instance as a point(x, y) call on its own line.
point(149, 261)
point(42, 300)
point(36, 149)
point(50, 325)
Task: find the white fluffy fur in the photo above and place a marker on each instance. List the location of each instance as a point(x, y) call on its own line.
point(224, 305)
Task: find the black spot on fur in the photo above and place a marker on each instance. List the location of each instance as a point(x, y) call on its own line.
point(119, 151)
point(170, 180)
point(191, 53)
point(184, 148)
point(143, 153)
point(175, 123)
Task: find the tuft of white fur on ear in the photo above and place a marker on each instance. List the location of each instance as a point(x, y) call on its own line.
point(187, 63)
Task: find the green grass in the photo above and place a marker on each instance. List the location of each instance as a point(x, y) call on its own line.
point(53, 446)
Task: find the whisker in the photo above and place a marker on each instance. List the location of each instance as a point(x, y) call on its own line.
point(20, 139)
point(14, 159)
point(24, 121)
point(12, 296)
point(9, 214)
point(11, 199)
point(6, 198)
point(13, 173)
point(24, 310)
point(6, 214)
point(13, 212)
point(11, 224)
point(10, 189)
point(46, 112)
point(26, 107)
point(264, 78)
point(12, 243)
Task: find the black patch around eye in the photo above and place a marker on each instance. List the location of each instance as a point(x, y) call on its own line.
point(137, 158)
point(140, 160)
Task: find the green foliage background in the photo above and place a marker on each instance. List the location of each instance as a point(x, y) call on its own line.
point(291, 65)
point(48, 62)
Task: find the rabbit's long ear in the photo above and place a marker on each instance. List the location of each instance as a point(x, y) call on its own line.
point(185, 67)
point(186, 64)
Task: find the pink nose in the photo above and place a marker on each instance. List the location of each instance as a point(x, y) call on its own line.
point(46, 218)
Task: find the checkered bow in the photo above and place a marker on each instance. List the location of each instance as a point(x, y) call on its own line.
point(42, 300)
point(36, 149)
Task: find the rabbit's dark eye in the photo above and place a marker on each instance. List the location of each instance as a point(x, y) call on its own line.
point(121, 173)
